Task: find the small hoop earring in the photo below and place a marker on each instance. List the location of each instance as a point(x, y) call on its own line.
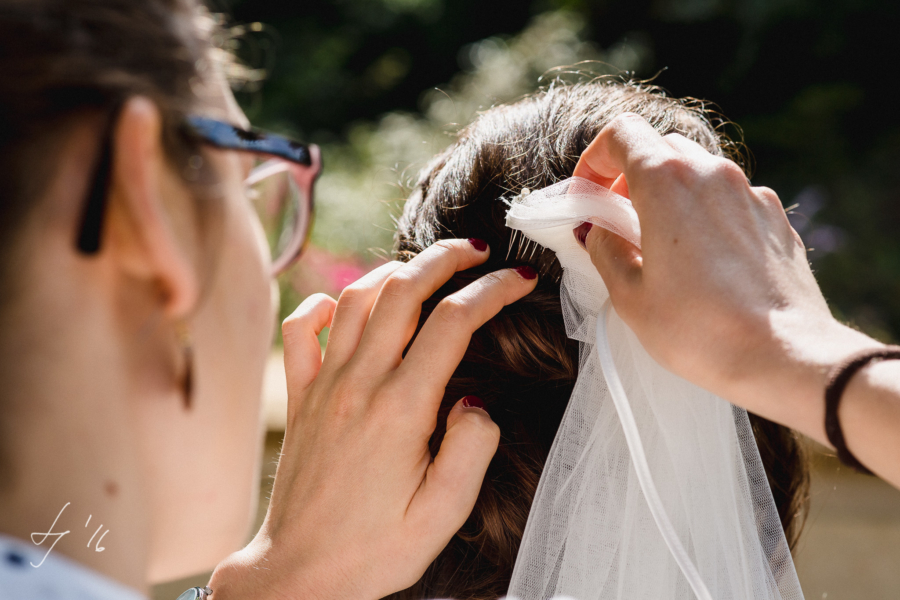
point(187, 347)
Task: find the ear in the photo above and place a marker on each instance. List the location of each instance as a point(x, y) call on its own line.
point(151, 229)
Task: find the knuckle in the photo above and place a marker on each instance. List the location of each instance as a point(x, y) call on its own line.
point(444, 246)
point(671, 169)
point(730, 172)
point(292, 322)
point(446, 249)
point(368, 282)
point(452, 309)
point(767, 195)
point(316, 299)
point(342, 408)
point(345, 397)
point(297, 319)
point(399, 284)
point(290, 327)
point(351, 293)
point(624, 121)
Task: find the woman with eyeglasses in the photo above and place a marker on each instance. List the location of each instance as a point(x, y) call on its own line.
point(143, 221)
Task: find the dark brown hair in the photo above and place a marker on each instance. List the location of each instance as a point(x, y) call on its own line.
point(521, 363)
point(62, 59)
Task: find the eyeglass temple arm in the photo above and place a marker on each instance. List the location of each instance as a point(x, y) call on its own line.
point(91, 228)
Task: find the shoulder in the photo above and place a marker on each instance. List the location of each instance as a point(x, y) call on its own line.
point(57, 578)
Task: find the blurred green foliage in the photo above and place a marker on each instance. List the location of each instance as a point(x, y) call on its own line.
point(383, 84)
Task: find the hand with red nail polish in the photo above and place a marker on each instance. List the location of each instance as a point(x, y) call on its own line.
point(360, 507)
point(526, 272)
point(479, 245)
point(581, 232)
point(473, 402)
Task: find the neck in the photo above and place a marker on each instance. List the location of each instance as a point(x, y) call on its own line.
point(66, 451)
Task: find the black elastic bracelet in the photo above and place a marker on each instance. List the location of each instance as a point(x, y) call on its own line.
point(837, 382)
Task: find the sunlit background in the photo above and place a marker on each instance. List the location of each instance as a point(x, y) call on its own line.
point(381, 85)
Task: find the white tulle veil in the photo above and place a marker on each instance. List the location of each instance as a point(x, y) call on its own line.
point(654, 488)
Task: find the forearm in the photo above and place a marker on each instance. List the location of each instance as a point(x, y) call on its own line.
point(786, 383)
point(870, 418)
point(782, 373)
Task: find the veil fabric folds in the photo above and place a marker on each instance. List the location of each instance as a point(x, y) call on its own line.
point(653, 488)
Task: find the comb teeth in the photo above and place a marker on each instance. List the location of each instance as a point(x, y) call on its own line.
point(524, 246)
point(512, 240)
point(523, 249)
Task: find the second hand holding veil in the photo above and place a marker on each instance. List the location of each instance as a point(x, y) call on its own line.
point(654, 487)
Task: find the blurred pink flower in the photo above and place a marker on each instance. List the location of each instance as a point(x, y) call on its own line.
point(343, 274)
point(322, 271)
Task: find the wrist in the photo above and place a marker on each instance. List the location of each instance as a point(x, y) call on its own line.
point(785, 374)
point(261, 570)
point(257, 571)
point(244, 575)
point(869, 414)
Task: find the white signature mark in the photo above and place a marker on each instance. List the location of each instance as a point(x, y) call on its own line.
point(60, 535)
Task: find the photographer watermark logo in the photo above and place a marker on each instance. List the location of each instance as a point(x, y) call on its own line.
point(61, 534)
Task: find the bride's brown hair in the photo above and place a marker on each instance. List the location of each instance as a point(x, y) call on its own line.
point(521, 363)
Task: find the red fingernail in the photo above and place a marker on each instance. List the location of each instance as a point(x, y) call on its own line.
point(581, 233)
point(479, 245)
point(526, 272)
point(473, 402)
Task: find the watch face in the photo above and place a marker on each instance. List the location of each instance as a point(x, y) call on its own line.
point(191, 594)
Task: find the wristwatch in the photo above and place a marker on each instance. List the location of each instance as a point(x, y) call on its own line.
point(195, 593)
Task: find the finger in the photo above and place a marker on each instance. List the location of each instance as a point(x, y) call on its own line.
point(445, 336)
point(352, 313)
point(584, 169)
point(627, 144)
point(620, 187)
point(618, 261)
point(454, 478)
point(302, 351)
point(399, 303)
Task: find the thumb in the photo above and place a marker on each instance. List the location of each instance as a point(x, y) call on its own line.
point(618, 261)
point(454, 478)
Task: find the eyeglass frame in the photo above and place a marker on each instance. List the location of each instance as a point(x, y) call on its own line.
point(305, 163)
